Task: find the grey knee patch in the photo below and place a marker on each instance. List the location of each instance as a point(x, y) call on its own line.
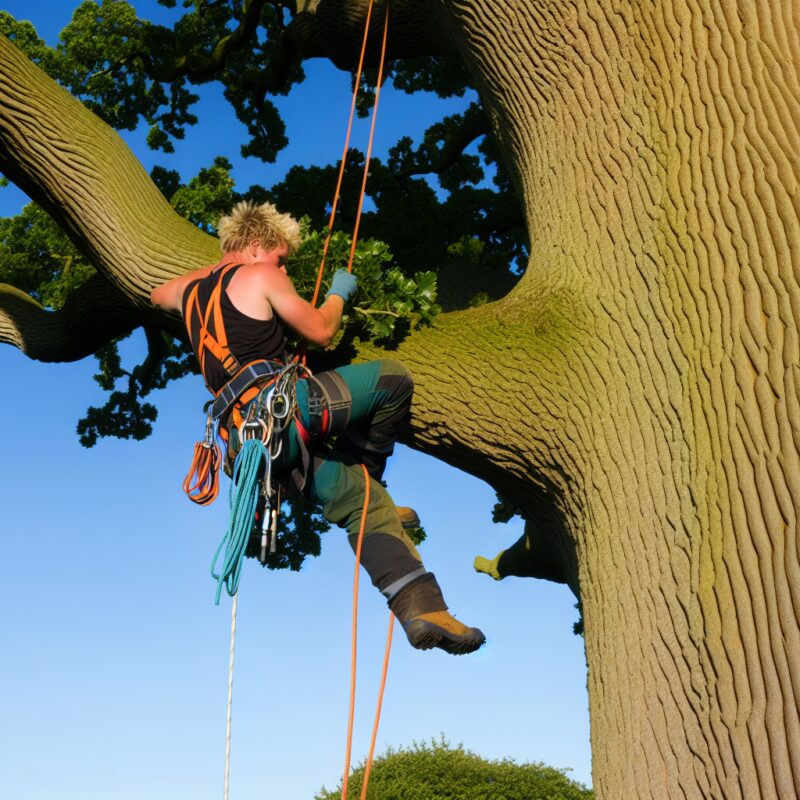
point(388, 562)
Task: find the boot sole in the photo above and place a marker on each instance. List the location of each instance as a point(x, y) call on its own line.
point(425, 636)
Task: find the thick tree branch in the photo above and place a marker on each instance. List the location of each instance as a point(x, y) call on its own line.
point(334, 29)
point(276, 75)
point(199, 67)
point(536, 554)
point(475, 125)
point(93, 314)
point(81, 171)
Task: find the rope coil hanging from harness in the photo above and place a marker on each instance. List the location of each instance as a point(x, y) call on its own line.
point(244, 494)
point(201, 483)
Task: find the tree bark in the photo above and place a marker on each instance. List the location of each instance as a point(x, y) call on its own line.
point(674, 127)
point(637, 392)
point(92, 315)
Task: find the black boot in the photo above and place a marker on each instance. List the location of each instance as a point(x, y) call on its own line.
point(423, 614)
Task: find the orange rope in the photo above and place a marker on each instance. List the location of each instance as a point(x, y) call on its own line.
point(335, 203)
point(353, 660)
point(371, 137)
point(368, 767)
point(349, 746)
point(320, 272)
point(201, 483)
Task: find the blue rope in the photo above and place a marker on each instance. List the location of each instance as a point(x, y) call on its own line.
point(243, 500)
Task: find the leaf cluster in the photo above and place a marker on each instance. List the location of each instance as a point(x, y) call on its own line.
point(37, 257)
point(125, 414)
point(449, 197)
point(441, 772)
point(388, 302)
point(300, 526)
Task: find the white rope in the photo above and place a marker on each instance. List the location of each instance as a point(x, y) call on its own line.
point(230, 698)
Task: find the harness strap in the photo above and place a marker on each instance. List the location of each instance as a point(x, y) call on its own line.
point(202, 339)
point(329, 408)
point(305, 438)
point(232, 391)
point(330, 403)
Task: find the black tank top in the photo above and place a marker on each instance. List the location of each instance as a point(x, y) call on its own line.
point(249, 339)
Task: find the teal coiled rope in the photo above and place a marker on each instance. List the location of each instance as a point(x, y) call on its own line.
point(247, 471)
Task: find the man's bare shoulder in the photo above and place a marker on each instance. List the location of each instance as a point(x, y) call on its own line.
point(263, 276)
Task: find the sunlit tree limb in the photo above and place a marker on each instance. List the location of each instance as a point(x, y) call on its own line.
point(92, 315)
point(81, 171)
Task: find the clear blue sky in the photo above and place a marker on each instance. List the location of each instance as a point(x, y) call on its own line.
point(113, 680)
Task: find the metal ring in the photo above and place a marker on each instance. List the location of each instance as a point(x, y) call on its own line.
point(248, 430)
point(282, 398)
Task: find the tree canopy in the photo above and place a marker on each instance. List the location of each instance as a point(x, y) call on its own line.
point(450, 190)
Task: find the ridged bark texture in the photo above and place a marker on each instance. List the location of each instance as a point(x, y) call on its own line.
point(656, 146)
point(78, 168)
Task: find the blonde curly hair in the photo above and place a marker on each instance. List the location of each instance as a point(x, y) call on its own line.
point(248, 221)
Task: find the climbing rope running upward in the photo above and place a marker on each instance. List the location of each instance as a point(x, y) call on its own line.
point(349, 745)
point(343, 163)
point(378, 706)
point(353, 658)
point(354, 644)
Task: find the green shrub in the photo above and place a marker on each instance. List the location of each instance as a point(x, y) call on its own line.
point(441, 772)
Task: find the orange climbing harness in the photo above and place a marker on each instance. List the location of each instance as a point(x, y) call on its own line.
point(209, 339)
point(207, 330)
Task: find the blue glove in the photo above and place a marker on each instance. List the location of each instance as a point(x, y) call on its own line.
point(344, 284)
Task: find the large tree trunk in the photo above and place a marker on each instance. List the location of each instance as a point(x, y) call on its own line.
point(636, 393)
point(656, 147)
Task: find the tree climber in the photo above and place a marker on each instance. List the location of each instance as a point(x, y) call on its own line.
point(343, 418)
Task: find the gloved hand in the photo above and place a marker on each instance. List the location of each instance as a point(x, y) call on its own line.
point(344, 284)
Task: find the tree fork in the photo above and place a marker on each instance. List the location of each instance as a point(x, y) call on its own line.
point(86, 176)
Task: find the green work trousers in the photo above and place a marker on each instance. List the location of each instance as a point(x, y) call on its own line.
point(380, 394)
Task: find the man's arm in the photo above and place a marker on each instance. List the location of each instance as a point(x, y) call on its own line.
point(317, 325)
point(169, 295)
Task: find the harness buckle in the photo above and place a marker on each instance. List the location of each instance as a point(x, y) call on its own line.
point(316, 405)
